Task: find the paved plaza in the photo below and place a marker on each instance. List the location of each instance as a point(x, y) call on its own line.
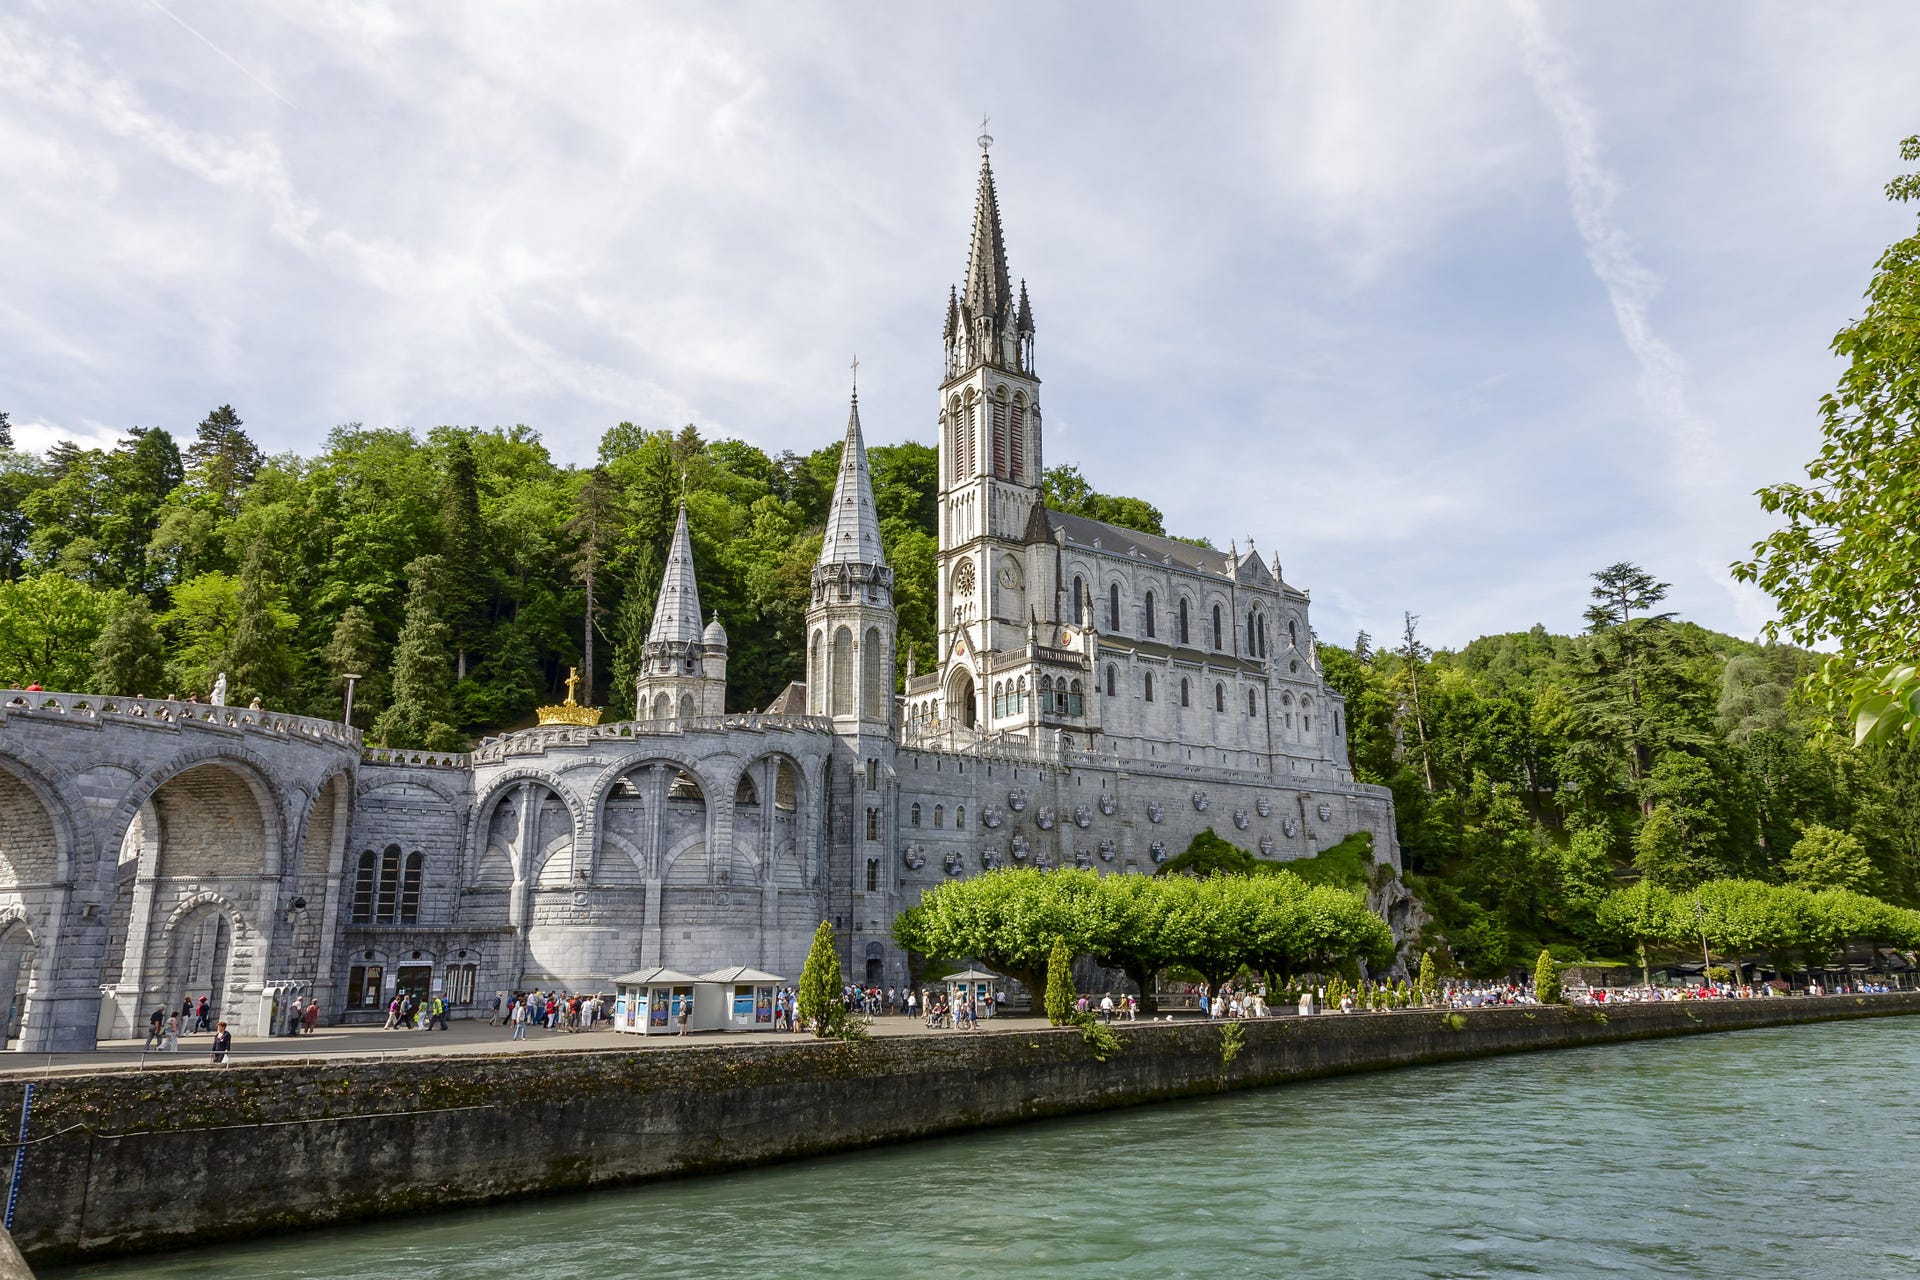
point(330, 1044)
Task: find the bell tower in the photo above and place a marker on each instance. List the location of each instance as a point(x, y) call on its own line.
point(990, 458)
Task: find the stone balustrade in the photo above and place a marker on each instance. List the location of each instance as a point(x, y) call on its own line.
point(533, 741)
point(115, 707)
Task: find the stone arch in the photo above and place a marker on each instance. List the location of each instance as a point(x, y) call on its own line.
point(32, 774)
point(480, 817)
point(19, 973)
point(34, 841)
point(962, 706)
point(209, 815)
point(621, 810)
point(252, 769)
point(781, 818)
point(206, 948)
point(324, 822)
point(671, 858)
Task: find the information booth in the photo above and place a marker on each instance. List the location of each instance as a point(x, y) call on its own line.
point(747, 994)
point(648, 1002)
point(972, 982)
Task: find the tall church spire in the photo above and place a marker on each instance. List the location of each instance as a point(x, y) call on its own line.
point(853, 524)
point(983, 326)
point(676, 615)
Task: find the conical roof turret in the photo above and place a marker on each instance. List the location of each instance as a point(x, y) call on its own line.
point(676, 615)
point(853, 523)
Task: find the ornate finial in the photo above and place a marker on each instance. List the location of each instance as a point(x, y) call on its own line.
point(573, 682)
point(570, 712)
point(856, 375)
point(683, 486)
point(985, 139)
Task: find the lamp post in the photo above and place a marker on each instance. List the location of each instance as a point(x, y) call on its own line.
point(1706, 963)
point(349, 677)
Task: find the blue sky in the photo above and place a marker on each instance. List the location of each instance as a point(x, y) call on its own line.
point(1446, 304)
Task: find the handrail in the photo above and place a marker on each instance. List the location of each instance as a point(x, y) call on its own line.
point(97, 706)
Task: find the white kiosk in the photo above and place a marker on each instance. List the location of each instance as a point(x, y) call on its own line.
point(648, 1001)
point(974, 983)
point(747, 994)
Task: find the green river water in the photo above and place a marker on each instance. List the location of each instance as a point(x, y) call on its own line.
point(1787, 1152)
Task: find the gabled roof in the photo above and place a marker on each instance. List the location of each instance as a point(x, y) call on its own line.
point(676, 615)
point(740, 973)
point(791, 702)
point(656, 977)
point(853, 524)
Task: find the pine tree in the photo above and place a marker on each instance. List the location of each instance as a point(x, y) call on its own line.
point(1060, 988)
point(129, 658)
point(819, 994)
point(421, 713)
point(463, 580)
point(354, 648)
point(223, 459)
point(6, 432)
point(256, 652)
point(1546, 979)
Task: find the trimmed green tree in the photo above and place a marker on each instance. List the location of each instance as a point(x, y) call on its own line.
point(1426, 987)
point(1546, 979)
point(819, 994)
point(1060, 989)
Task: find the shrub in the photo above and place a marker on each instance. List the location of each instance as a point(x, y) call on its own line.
point(1060, 992)
point(1546, 979)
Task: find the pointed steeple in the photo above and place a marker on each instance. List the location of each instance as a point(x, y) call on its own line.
point(985, 323)
point(853, 525)
point(676, 615)
point(989, 294)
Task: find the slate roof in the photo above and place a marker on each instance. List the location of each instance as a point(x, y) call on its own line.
point(853, 524)
point(676, 615)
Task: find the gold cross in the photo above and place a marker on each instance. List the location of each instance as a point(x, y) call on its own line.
point(573, 680)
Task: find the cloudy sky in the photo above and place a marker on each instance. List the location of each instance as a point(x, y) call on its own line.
point(1448, 304)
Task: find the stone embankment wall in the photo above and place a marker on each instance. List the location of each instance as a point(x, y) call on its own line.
point(141, 1160)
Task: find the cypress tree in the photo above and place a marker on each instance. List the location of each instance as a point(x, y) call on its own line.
point(1426, 987)
point(421, 713)
point(129, 657)
point(1060, 989)
point(256, 652)
point(463, 581)
point(819, 994)
point(1546, 979)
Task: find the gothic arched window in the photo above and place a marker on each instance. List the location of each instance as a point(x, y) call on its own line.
point(1149, 686)
point(1109, 682)
point(1292, 638)
point(999, 700)
point(1113, 608)
point(1076, 702)
point(1079, 590)
point(1017, 442)
point(1219, 697)
point(939, 816)
point(1149, 614)
point(959, 816)
point(913, 815)
point(1184, 637)
point(410, 889)
point(363, 889)
point(1216, 627)
point(1183, 692)
point(1253, 703)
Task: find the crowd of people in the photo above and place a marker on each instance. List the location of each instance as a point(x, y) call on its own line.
point(548, 1010)
point(166, 1026)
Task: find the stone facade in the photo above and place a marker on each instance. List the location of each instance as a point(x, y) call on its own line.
point(1099, 697)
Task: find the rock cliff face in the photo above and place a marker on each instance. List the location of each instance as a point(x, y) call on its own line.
point(1406, 915)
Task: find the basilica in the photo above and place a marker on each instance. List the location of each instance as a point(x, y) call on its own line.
point(1098, 696)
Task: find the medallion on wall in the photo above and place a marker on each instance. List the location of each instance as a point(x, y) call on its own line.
point(1107, 803)
point(1042, 862)
point(1082, 859)
point(1082, 816)
point(1154, 811)
point(1043, 817)
point(1200, 801)
point(1159, 850)
point(1291, 827)
point(1326, 812)
point(1107, 850)
point(914, 858)
point(1020, 847)
point(953, 864)
point(1017, 799)
point(992, 816)
point(1240, 819)
point(1264, 807)
point(1266, 846)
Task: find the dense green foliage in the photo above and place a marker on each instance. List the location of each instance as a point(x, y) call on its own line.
point(1535, 773)
point(1017, 921)
point(460, 574)
point(1845, 565)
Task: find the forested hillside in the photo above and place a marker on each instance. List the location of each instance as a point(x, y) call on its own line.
point(453, 571)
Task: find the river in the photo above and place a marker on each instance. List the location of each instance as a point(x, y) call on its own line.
point(1781, 1152)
